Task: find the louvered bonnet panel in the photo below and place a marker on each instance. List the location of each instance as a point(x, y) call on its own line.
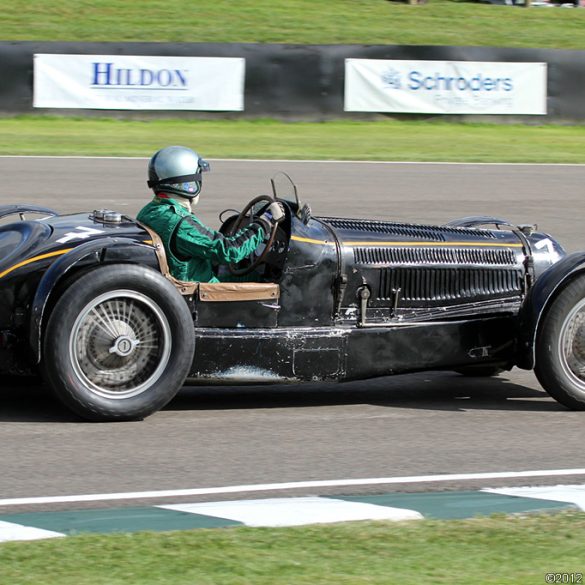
point(449, 285)
point(432, 265)
point(415, 231)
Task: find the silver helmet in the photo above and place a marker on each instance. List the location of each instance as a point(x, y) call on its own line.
point(176, 170)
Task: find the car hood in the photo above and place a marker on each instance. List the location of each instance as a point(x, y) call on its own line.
point(384, 243)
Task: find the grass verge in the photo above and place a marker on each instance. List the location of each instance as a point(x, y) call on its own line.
point(267, 139)
point(439, 22)
point(483, 550)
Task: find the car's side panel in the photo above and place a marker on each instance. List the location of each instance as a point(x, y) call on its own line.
point(256, 313)
point(373, 352)
point(269, 355)
point(344, 353)
point(308, 280)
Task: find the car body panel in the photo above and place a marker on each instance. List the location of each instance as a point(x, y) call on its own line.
point(339, 353)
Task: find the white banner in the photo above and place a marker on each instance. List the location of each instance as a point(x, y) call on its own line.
point(445, 87)
point(124, 82)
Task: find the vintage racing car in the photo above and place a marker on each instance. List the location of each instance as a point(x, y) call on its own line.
point(87, 301)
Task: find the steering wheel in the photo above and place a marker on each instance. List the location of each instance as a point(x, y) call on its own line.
point(239, 224)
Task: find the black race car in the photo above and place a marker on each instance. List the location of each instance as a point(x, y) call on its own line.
point(86, 300)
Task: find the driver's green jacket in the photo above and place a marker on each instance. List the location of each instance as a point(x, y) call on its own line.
point(191, 247)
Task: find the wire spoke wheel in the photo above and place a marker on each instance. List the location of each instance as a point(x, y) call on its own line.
point(571, 345)
point(120, 344)
point(560, 346)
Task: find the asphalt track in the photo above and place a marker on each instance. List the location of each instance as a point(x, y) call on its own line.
point(421, 424)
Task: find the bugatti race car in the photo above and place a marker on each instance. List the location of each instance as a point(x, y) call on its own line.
point(87, 302)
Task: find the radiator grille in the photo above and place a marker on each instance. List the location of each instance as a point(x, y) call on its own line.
point(449, 284)
point(433, 233)
point(429, 255)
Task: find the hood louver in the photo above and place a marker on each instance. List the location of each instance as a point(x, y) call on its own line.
point(425, 232)
point(428, 255)
point(421, 285)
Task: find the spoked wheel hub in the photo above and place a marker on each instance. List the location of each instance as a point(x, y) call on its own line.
point(124, 346)
point(120, 344)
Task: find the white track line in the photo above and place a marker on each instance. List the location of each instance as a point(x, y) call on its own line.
point(234, 489)
point(304, 161)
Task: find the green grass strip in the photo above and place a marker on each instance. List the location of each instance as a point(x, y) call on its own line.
point(389, 140)
point(439, 22)
point(498, 550)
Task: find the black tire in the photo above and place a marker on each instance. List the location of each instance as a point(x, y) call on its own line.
point(118, 344)
point(479, 371)
point(560, 347)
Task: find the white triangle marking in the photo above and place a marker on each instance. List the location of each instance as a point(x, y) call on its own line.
point(572, 494)
point(295, 511)
point(10, 531)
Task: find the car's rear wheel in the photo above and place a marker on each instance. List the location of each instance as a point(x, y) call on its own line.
point(119, 343)
point(560, 347)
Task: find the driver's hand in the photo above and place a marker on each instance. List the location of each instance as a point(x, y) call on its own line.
point(276, 210)
point(274, 214)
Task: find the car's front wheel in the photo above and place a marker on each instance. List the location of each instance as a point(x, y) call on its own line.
point(119, 343)
point(560, 347)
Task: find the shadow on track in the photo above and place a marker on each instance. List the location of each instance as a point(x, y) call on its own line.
point(427, 391)
point(28, 401)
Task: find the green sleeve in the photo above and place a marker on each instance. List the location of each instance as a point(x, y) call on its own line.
point(195, 239)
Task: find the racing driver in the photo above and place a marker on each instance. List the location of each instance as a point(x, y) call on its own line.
point(175, 176)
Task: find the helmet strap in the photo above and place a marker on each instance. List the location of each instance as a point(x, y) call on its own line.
point(170, 180)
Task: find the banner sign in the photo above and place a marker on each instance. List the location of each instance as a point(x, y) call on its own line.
point(124, 82)
point(445, 87)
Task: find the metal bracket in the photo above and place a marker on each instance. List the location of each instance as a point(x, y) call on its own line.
point(339, 291)
point(363, 294)
point(396, 293)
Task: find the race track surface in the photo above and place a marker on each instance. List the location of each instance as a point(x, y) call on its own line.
point(422, 424)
